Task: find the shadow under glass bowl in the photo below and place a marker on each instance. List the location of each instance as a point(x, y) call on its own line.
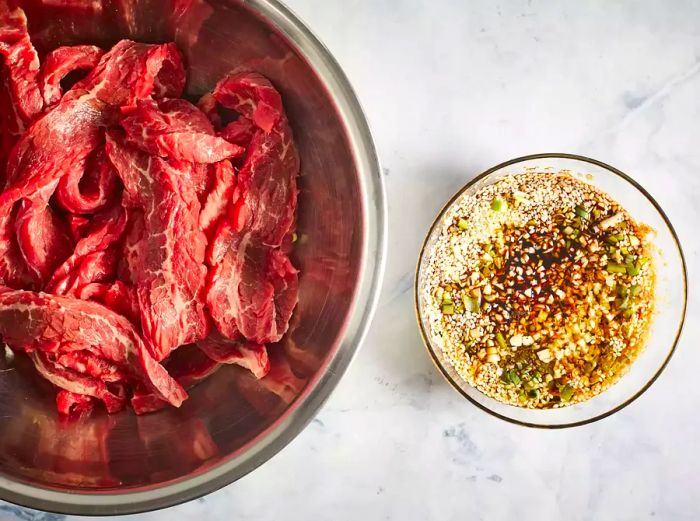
point(671, 293)
point(117, 464)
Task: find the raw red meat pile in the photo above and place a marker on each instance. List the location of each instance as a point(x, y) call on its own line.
point(133, 222)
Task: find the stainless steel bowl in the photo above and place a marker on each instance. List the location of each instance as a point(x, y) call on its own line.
point(231, 423)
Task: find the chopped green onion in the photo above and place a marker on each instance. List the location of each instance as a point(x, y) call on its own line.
point(471, 304)
point(529, 385)
point(628, 313)
point(522, 397)
point(611, 239)
point(623, 304)
point(614, 267)
point(463, 225)
point(566, 393)
point(568, 243)
point(622, 291)
point(446, 298)
point(635, 289)
point(501, 341)
point(533, 394)
point(596, 213)
point(632, 269)
point(581, 212)
point(448, 309)
point(511, 377)
point(643, 261)
point(497, 204)
point(568, 230)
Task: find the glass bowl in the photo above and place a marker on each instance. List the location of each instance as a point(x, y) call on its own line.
point(671, 293)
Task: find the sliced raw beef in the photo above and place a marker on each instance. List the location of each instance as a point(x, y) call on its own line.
point(239, 132)
point(280, 387)
point(72, 381)
point(177, 129)
point(188, 365)
point(218, 198)
point(96, 267)
point(165, 250)
point(238, 352)
point(266, 196)
point(266, 192)
point(43, 238)
point(90, 186)
point(252, 95)
point(62, 61)
point(73, 404)
point(208, 105)
point(14, 271)
point(66, 135)
point(131, 220)
point(21, 67)
point(252, 290)
point(131, 71)
point(104, 231)
point(86, 362)
point(29, 321)
point(117, 296)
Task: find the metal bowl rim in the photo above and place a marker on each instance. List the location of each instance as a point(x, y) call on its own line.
point(364, 304)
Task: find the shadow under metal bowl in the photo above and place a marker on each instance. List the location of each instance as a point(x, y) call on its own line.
point(671, 293)
point(115, 464)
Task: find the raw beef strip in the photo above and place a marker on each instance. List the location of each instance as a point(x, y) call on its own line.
point(252, 95)
point(188, 365)
point(72, 381)
point(218, 198)
point(29, 320)
point(96, 267)
point(280, 385)
point(62, 137)
point(239, 352)
point(14, 272)
point(131, 71)
point(89, 187)
point(105, 230)
point(208, 105)
point(67, 134)
point(86, 362)
point(78, 226)
point(266, 192)
point(266, 195)
point(21, 66)
point(164, 248)
point(175, 128)
point(239, 132)
point(42, 236)
point(62, 61)
point(72, 404)
point(117, 296)
point(252, 290)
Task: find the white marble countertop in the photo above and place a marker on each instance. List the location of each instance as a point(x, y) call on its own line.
point(452, 87)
